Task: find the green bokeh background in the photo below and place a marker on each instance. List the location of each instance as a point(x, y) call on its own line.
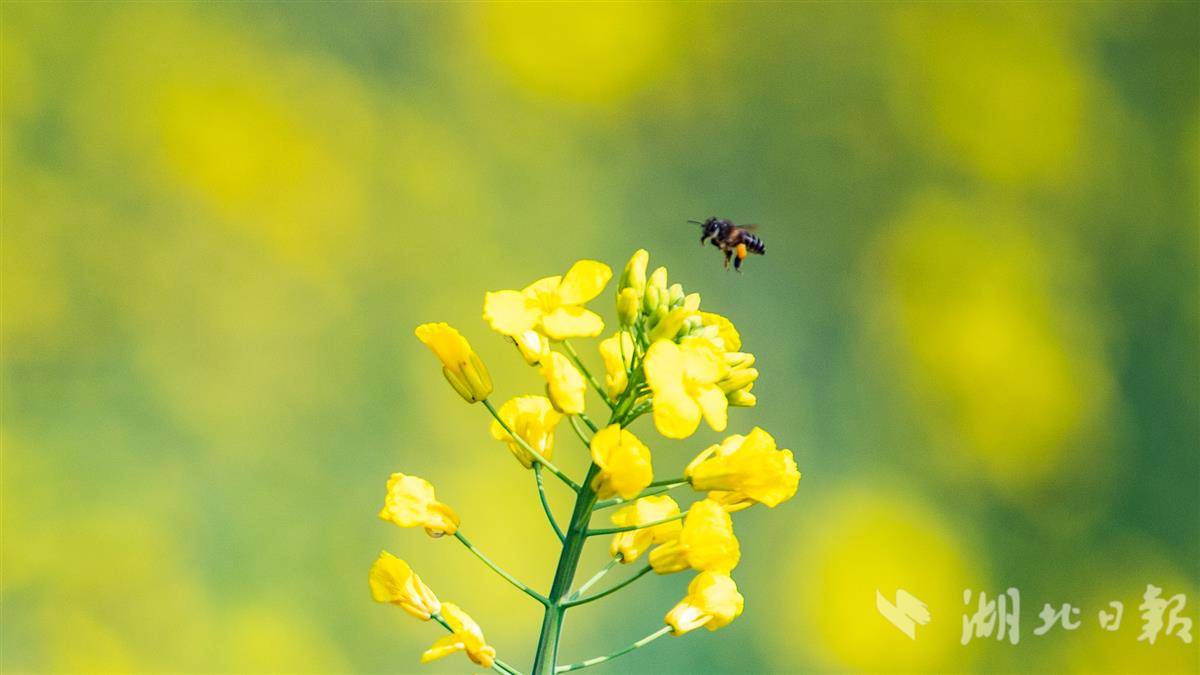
point(976, 322)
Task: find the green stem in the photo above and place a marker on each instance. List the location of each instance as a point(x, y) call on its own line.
point(614, 501)
point(667, 481)
point(588, 421)
point(639, 411)
point(581, 601)
point(587, 374)
point(508, 577)
point(527, 448)
point(596, 577)
point(497, 665)
point(629, 528)
point(564, 574)
point(541, 487)
point(624, 650)
point(571, 419)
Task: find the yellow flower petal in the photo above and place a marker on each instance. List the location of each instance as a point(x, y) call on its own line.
point(510, 312)
point(443, 647)
point(583, 282)
point(702, 364)
point(675, 414)
point(465, 636)
point(617, 352)
point(392, 580)
point(544, 290)
point(706, 542)
point(571, 321)
point(715, 406)
point(564, 384)
point(664, 366)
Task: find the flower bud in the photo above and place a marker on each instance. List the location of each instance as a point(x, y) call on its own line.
point(671, 324)
point(738, 378)
point(634, 276)
point(742, 398)
point(655, 317)
point(460, 364)
point(656, 294)
point(675, 295)
point(629, 307)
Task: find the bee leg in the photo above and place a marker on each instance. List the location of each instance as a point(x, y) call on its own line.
point(727, 256)
point(741, 255)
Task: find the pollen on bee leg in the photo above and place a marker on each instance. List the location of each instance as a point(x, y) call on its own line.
point(741, 251)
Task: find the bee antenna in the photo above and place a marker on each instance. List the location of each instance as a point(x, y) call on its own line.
point(696, 222)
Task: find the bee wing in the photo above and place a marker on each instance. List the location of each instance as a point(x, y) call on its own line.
point(749, 228)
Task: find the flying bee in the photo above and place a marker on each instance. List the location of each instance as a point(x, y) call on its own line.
point(734, 241)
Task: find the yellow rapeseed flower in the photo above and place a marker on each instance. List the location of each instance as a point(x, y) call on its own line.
point(533, 419)
point(392, 580)
point(460, 364)
point(712, 601)
point(624, 463)
point(748, 466)
point(629, 545)
point(533, 346)
point(705, 543)
point(465, 636)
point(410, 502)
point(617, 352)
point(564, 384)
point(553, 305)
point(684, 379)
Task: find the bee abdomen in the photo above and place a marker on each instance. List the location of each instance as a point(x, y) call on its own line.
point(755, 244)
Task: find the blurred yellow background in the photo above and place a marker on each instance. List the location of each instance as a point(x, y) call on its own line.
point(976, 321)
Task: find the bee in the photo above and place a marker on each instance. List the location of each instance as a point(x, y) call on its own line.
point(735, 241)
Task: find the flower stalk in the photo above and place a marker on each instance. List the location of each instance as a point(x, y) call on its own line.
point(496, 568)
point(608, 657)
point(541, 486)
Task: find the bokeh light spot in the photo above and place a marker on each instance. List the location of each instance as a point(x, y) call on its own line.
point(588, 52)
